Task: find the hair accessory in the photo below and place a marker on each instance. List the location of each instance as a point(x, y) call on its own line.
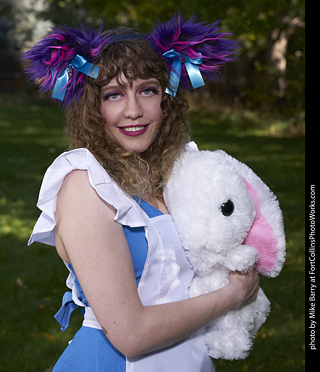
point(192, 50)
point(62, 59)
point(191, 67)
point(79, 63)
point(182, 43)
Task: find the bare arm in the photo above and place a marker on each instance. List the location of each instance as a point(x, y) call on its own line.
point(87, 235)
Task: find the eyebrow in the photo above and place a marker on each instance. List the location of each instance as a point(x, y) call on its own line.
point(115, 86)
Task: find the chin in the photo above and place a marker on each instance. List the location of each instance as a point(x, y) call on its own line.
point(136, 149)
point(136, 145)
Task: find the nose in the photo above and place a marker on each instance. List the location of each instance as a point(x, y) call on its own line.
point(133, 109)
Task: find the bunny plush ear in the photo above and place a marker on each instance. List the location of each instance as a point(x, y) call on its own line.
point(267, 232)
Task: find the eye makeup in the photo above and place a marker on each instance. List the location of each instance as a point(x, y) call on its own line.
point(113, 95)
point(116, 91)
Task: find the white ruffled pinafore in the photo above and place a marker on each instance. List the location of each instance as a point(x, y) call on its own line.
point(166, 274)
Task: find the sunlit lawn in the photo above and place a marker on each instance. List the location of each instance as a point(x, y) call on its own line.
point(33, 278)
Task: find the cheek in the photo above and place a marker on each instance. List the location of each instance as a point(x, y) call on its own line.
point(107, 120)
point(110, 116)
point(155, 111)
point(160, 117)
point(103, 112)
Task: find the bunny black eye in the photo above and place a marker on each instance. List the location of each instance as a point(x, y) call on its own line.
point(227, 208)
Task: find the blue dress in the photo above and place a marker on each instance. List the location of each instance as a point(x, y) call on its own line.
point(90, 350)
point(162, 272)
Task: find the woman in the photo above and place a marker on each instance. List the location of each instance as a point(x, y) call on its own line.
point(102, 203)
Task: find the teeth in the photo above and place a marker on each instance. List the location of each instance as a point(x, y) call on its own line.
point(132, 129)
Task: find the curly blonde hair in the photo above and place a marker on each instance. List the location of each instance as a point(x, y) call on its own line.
point(137, 174)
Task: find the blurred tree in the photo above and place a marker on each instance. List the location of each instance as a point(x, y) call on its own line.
point(271, 34)
point(69, 12)
point(21, 22)
point(135, 13)
point(21, 25)
point(6, 22)
point(270, 71)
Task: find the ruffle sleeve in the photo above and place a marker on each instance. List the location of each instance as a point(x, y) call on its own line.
point(128, 212)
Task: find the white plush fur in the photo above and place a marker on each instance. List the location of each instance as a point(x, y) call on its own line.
point(269, 206)
point(200, 183)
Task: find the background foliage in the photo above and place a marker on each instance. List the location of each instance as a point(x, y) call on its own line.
point(256, 113)
point(269, 74)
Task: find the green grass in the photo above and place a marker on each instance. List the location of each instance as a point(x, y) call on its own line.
point(33, 278)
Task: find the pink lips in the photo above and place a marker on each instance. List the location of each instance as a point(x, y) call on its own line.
point(134, 130)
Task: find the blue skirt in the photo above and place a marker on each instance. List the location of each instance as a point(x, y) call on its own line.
point(90, 351)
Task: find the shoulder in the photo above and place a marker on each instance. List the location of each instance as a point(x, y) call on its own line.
point(76, 180)
point(80, 212)
point(73, 177)
point(77, 193)
point(75, 187)
point(75, 183)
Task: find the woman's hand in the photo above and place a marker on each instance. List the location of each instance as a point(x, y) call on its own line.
point(245, 287)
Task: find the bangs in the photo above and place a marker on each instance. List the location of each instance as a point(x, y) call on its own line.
point(133, 60)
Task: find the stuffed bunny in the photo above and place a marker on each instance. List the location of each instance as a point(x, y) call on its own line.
point(227, 219)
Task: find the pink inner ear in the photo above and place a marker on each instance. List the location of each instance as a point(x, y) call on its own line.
point(261, 237)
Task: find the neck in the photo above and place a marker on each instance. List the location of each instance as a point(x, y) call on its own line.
point(157, 203)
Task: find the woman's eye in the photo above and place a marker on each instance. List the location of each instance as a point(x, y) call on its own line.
point(113, 96)
point(149, 91)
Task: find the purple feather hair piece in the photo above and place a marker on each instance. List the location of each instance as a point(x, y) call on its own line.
point(47, 59)
point(194, 39)
point(51, 57)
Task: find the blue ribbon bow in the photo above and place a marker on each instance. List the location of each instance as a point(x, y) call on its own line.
point(191, 67)
point(79, 63)
point(63, 315)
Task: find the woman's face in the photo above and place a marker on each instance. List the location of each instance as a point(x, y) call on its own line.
point(132, 113)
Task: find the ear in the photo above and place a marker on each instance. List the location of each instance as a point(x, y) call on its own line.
point(267, 231)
